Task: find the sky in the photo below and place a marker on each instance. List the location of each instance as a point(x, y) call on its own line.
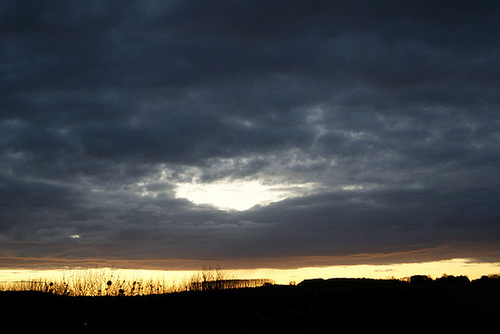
point(280, 134)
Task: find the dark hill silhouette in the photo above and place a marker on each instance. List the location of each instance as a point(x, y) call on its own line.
point(313, 306)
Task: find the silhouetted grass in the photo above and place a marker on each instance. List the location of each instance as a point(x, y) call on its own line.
point(104, 282)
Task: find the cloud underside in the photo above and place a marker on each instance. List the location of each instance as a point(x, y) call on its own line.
point(387, 115)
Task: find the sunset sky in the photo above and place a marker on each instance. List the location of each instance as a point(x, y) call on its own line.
point(250, 134)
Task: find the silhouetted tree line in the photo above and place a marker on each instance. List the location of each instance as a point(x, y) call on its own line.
point(489, 280)
point(215, 278)
point(455, 280)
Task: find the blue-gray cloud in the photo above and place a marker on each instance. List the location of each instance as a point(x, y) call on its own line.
point(391, 110)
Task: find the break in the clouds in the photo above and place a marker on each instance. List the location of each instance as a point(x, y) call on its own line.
point(249, 131)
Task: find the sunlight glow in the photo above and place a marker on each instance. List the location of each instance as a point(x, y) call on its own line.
point(241, 195)
point(435, 269)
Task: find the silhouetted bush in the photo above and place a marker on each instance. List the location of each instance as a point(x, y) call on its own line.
point(312, 283)
point(420, 279)
point(454, 280)
point(492, 280)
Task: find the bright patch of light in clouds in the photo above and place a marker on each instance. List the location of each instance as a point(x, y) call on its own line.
point(241, 195)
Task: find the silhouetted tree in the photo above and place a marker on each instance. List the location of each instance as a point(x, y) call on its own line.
point(450, 279)
point(210, 278)
point(420, 279)
point(488, 280)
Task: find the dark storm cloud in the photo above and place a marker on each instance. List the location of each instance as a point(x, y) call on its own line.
point(391, 110)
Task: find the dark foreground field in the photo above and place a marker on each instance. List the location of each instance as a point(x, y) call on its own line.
point(312, 307)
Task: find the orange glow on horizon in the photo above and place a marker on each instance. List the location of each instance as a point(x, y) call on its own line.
point(435, 269)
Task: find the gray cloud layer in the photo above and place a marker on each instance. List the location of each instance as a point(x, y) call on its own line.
point(393, 109)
